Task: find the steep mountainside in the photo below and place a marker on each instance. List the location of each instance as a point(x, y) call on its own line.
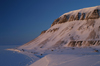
point(79, 28)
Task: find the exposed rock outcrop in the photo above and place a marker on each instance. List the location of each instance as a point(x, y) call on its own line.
point(53, 30)
point(94, 14)
point(83, 43)
point(43, 31)
point(82, 16)
point(63, 20)
point(78, 43)
point(87, 15)
point(77, 16)
point(71, 18)
point(72, 44)
point(55, 21)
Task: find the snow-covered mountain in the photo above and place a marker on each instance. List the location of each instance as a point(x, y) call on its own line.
point(78, 28)
point(72, 40)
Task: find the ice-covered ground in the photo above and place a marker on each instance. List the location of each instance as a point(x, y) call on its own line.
point(67, 56)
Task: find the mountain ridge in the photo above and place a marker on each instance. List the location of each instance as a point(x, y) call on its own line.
point(81, 14)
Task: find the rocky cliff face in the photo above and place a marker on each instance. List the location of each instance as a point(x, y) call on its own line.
point(60, 20)
point(82, 16)
point(94, 14)
point(79, 16)
point(83, 43)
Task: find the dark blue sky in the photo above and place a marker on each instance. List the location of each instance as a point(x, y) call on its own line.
point(23, 20)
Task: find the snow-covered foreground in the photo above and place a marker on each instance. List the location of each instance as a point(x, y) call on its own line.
point(71, 57)
point(68, 56)
point(68, 60)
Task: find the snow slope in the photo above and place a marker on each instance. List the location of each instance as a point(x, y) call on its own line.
point(70, 57)
point(68, 60)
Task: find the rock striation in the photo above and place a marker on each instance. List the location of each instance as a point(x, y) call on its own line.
point(83, 43)
point(94, 14)
point(64, 19)
point(79, 16)
point(71, 18)
point(55, 21)
point(82, 16)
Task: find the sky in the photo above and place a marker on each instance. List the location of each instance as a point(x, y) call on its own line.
point(23, 20)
